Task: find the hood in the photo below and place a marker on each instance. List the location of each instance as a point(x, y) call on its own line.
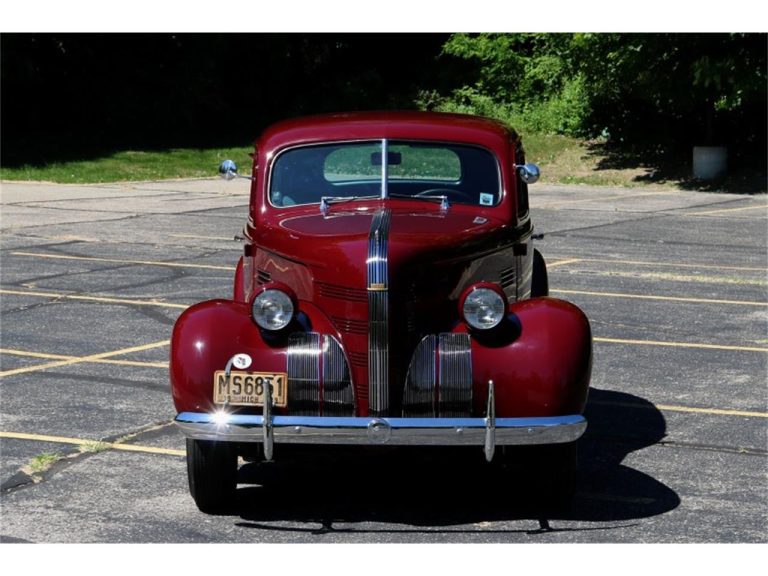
point(336, 245)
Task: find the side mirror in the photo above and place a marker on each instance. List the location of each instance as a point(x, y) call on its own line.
point(228, 170)
point(529, 173)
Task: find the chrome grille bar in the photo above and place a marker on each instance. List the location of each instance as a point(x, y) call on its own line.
point(378, 313)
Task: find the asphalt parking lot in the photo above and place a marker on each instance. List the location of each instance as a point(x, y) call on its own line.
point(675, 285)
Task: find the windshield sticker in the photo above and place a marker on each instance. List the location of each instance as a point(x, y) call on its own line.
point(486, 199)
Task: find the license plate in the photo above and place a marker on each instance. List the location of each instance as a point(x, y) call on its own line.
point(248, 388)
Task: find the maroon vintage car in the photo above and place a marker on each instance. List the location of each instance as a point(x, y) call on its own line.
point(388, 293)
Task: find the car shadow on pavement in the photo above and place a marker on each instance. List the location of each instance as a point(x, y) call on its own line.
point(445, 487)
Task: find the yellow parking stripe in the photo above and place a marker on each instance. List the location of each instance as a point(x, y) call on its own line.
point(669, 264)
point(714, 411)
point(741, 209)
point(91, 358)
point(24, 353)
point(689, 409)
point(662, 298)
point(681, 345)
point(93, 299)
point(120, 261)
point(81, 442)
point(229, 239)
point(551, 265)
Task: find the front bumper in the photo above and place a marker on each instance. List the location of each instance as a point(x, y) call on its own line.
point(486, 432)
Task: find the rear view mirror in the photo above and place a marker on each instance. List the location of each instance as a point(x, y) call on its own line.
point(393, 159)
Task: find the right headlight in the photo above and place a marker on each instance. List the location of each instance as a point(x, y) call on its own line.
point(483, 306)
point(273, 308)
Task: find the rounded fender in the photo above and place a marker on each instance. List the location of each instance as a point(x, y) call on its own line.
point(208, 334)
point(540, 360)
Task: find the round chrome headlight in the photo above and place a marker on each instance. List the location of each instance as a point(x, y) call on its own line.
point(483, 307)
point(272, 309)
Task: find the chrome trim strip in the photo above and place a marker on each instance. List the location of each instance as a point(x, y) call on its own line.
point(384, 168)
point(419, 393)
point(378, 313)
point(398, 431)
point(455, 378)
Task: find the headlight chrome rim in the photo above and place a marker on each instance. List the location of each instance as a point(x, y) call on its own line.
point(483, 306)
point(273, 307)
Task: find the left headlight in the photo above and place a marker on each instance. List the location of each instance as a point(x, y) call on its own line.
point(273, 308)
point(483, 306)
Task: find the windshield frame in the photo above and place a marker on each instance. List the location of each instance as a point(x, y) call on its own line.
point(385, 181)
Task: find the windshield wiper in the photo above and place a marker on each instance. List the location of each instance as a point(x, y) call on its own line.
point(326, 201)
point(444, 205)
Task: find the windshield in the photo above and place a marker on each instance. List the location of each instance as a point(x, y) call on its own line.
point(460, 173)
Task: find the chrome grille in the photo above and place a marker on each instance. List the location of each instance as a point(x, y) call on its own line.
point(310, 356)
point(439, 381)
point(337, 393)
point(419, 394)
point(455, 379)
point(304, 373)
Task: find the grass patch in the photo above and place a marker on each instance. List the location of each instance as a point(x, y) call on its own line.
point(43, 462)
point(95, 447)
point(134, 166)
point(563, 160)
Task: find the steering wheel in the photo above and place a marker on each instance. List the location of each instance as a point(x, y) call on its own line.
point(450, 193)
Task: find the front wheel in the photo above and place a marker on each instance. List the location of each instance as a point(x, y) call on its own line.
point(540, 278)
point(212, 473)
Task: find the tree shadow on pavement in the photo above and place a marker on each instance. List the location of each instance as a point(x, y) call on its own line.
point(446, 487)
point(663, 167)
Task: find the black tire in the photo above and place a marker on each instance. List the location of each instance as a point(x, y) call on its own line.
point(539, 278)
point(212, 473)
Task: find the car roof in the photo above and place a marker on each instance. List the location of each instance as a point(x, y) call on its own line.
point(407, 125)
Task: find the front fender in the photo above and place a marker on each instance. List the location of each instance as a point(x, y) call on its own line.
point(540, 360)
point(208, 334)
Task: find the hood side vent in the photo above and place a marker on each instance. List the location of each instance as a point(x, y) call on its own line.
point(263, 277)
point(508, 277)
point(341, 292)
